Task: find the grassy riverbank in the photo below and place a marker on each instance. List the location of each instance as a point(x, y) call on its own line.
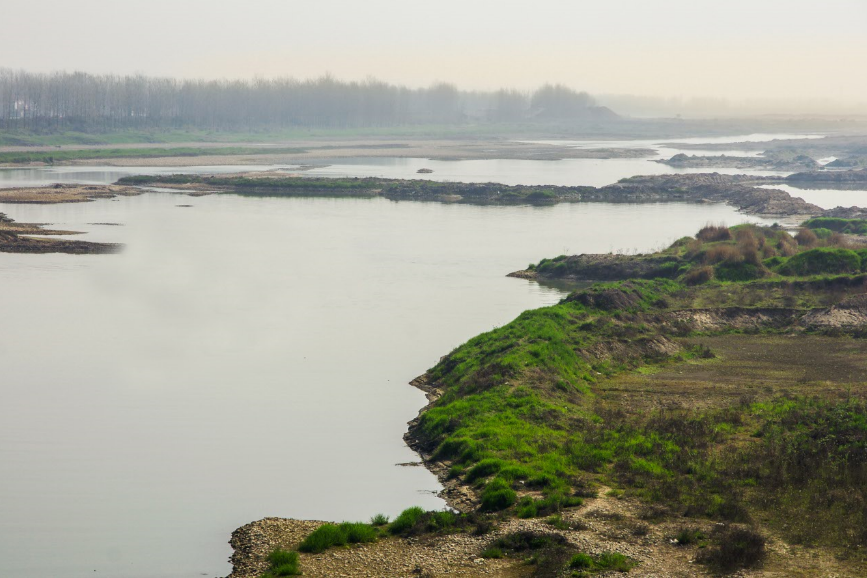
point(534, 413)
point(669, 426)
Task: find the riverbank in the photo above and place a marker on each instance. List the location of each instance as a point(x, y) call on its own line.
point(706, 422)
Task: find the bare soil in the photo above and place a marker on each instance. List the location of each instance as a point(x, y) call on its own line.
point(64, 194)
point(753, 366)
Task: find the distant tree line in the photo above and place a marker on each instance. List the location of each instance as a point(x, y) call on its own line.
point(88, 102)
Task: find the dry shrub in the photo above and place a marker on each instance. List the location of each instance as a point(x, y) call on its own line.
point(768, 252)
point(693, 248)
point(736, 547)
point(839, 240)
point(722, 253)
point(806, 238)
point(787, 245)
point(699, 275)
point(749, 246)
point(712, 233)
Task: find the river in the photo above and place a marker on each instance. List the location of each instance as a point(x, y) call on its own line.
point(247, 357)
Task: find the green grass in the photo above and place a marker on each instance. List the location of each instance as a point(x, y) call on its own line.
point(406, 520)
point(379, 520)
point(719, 255)
point(332, 535)
point(533, 508)
point(604, 562)
point(282, 563)
point(821, 261)
point(689, 536)
point(850, 226)
point(520, 410)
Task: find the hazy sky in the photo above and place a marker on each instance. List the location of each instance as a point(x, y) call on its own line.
point(731, 48)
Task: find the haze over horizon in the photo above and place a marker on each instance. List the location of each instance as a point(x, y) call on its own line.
point(743, 55)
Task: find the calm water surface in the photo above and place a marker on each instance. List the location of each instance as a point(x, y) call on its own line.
point(248, 357)
point(593, 172)
point(827, 198)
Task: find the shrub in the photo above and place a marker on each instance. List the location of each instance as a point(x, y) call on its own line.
point(687, 536)
point(379, 520)
point(581, 561)
point(531, 508)
point(497, 495)
point(742, 271)
point(822, 233)
point(524, 540)
point(736, 548)
point(712, 233)
point(606, 561)
point(558, 522)
point(359, 532)
point(806, 238)
point(438, 521)
point(283, 563)
point(492, 552)
point(722, 254)
point(614, 561)
point(699, 275)
point(787, 246)
point(406, 520)
point(823, 260)
point(331, 535)
point(851, 226)
point(322, 538)
point(838, 240)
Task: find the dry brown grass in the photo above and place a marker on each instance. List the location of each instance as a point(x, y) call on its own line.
point(713, 233)
point(806, 238)
point(787, 246)
point(722, 254)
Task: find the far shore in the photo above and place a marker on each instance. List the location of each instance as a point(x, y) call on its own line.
point(307, 151)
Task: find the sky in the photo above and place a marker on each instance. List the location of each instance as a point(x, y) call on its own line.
point(736, 49)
